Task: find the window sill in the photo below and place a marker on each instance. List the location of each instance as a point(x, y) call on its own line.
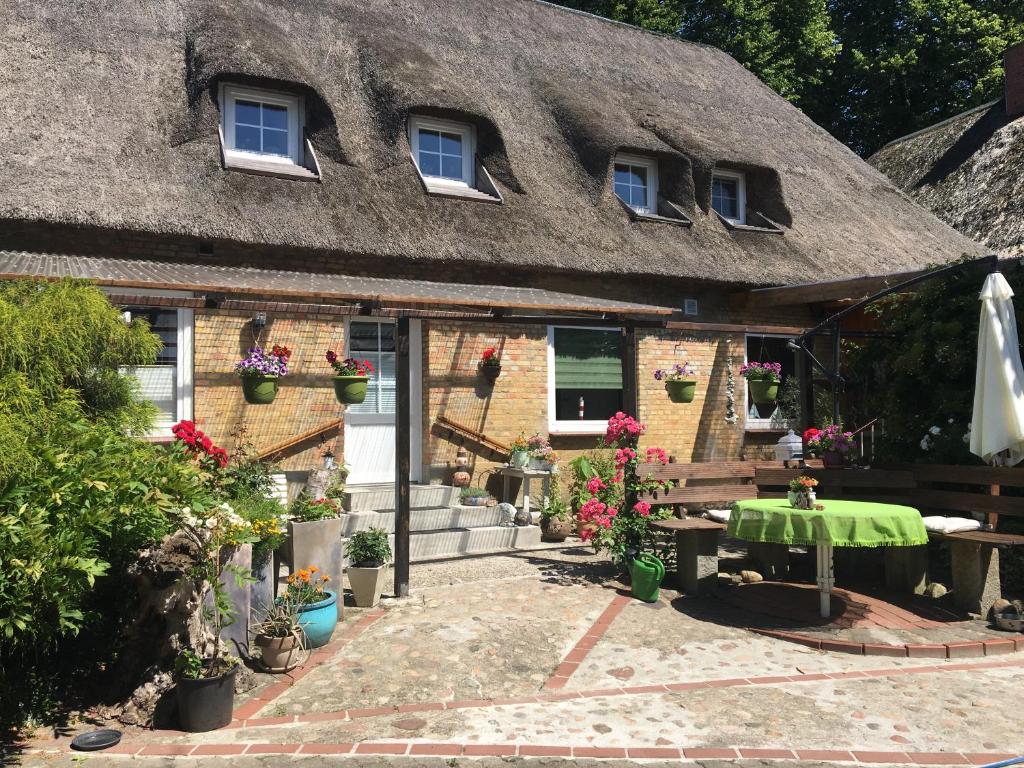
point(269, 168)
point(459, 193)
point(736, 226)
point(678, 218)
point(571, 430)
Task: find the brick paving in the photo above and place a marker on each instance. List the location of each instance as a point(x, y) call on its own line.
point(560, 668)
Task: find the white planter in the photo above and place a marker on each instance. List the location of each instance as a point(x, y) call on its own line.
point(366, 584)
point(318, 543)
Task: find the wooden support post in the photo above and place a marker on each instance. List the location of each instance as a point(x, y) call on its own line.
point(806, 384)
point(837, 353)
point(630, 380)
point(403, 431)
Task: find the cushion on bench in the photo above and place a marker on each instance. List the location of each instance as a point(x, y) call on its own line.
point(718, 515)
point(940, 524)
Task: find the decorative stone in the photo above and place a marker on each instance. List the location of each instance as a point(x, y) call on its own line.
point(751, 577)
point(1000, 605)
point(935, 590)
point(508, 513)
point(522, 517)
point(410, 724)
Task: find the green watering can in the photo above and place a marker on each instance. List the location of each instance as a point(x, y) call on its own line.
point(646, 573)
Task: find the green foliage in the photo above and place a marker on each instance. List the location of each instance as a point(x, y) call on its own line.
point(920, 382)
point(868, 72)
point(267, 518)
point(305, 509)
point(368, 547)
point(473, 493)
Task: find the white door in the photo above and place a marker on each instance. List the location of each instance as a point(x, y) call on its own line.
point(370, 426)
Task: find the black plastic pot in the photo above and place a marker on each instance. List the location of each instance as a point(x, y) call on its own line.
point(206, 704)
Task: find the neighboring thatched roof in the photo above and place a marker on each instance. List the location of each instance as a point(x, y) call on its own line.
point(969, 171)
point(109, 119)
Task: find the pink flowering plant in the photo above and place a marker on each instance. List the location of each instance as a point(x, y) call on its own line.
point(609, 513)
point(755, 371)
point(678, 372)
point(831, 437)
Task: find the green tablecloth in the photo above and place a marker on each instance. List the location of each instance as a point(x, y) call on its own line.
point(841, 523)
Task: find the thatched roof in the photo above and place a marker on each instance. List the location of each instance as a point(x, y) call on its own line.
point(109, 119)
point(969, 171)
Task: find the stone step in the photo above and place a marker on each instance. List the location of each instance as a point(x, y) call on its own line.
point(460, 542)
point(380, 497)
point(456, 516)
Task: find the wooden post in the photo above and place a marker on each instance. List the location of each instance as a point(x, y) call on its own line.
point(806, 385)
point(837, 352)
point(630, 380)
point(403, 431)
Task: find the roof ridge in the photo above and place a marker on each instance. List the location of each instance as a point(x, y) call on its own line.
point(941, 123)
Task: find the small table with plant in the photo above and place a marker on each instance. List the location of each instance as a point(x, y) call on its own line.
point(825, 525)
point(526, 475)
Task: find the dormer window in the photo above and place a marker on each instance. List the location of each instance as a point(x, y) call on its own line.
point(729, 196)
point(444, 153)
point(636, 182)
point(262, 132)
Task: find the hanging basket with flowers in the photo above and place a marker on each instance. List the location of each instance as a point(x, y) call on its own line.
point(350, 379)
point(762, 381)
point(260, 371)
point(490, 365)
point(831, 443)
point(680, 382)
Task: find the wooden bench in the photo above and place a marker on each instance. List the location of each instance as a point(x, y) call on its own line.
point(975, 556)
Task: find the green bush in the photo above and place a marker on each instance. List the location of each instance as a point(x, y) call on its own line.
point(368, 549)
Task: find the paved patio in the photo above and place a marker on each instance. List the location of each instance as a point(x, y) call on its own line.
point(541, 655)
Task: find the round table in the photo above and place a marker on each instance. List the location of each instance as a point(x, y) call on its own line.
point(840, 523)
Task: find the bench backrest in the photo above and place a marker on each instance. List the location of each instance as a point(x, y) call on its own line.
point(882, 485)
point(701, 483)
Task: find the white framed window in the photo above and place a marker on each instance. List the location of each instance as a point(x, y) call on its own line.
point(584, 378)
point(168, 383)
point(261, 125)
point(636, 182)
point(729, 195)
point(374, 340)
point(445, 151)
point(768, 349)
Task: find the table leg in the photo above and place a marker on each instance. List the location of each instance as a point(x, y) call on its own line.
point(546, 487)
point(504, 488)
point(826, 578)
point(526, 497)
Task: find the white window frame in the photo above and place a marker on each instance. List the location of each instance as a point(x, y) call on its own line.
point(468, 135)
point(649, 164)
point(575, 426)
point(232, 93)
point(763, 424)
point(741, 193)
point(184, 383)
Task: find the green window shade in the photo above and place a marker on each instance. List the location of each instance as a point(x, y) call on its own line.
point(586, 359)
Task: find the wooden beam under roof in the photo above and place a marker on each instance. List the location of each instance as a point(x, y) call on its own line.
point(818, 293)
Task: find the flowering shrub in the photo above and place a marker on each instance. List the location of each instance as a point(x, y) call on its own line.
point(677, 372)
point(610, 516)
point(199, 445)
point(306, 510)
point(349, 366)
point(305, 587)
point(755, 371)
point(260, 363)
point(831, 438)
point(490, 358)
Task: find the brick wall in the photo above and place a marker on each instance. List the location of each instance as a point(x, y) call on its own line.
point(1013, 63)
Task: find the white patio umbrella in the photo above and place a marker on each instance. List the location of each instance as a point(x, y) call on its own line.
point(997, 429)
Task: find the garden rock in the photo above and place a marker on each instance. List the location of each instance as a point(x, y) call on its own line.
point(1001, 605)
point(750, 577)
point(935, 590)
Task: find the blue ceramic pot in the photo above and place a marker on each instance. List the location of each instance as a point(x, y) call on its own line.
point(319, 619)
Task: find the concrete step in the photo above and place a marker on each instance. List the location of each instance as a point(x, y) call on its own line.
point(456, 516)
point(459, 542)
point(380, 497)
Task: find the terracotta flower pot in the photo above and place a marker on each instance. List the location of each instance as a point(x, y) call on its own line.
point(280, 654)
point(350, 390)
point(681, 391)
point(259, 390)
point(554, 528)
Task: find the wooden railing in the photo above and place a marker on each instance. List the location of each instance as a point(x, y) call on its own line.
point(461, 434)
point(290, 443)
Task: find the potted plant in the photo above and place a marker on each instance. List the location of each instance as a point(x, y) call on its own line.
point(763, 381)
point(801, 492)
point(350, 378)
point(269, 528)
point(368, 554)
point(520, 452)
point(260, 372)
point(679, 382)
point(831, 443)
point(490, 365)
point(314, 535)
point(556, 523)
point(205, 677)
point(474, 497)
point(540, 452)
point(315, 605)
point(279, 636)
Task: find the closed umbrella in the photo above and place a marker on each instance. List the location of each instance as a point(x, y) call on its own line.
point(997, 428)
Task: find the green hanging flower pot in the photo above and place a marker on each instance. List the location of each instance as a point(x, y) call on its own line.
point(681, 390)
point(763, 392)
point(350, 390)
point(259, 390)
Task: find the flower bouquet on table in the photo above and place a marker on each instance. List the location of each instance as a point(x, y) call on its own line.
point(542, 456)
point(490, 364)
point(831, 443)
point(519, 452)
point(680, 382)
point(801, 492)
point(762, 381)
point(350, 378)
point(259, 372)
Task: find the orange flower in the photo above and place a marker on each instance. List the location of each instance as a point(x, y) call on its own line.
point(313, 569)
point(304, 575)
point(325, 579)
